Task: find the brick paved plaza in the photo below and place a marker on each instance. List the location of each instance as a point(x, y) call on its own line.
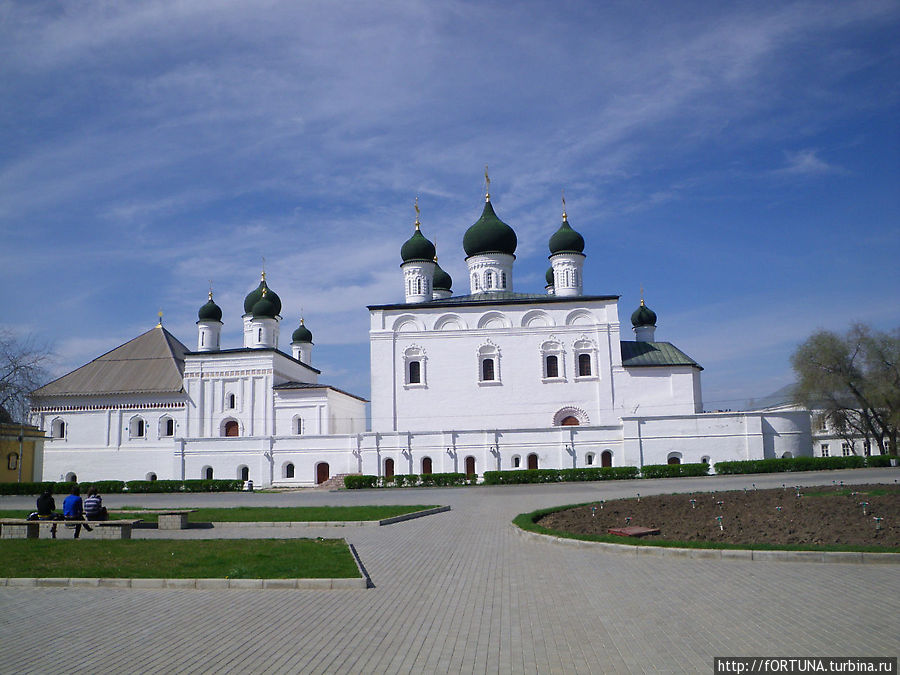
point(462, 592)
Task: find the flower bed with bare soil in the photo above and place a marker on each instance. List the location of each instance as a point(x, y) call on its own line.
point(820, 517)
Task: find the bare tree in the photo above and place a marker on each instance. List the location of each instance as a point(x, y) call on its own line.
point(22, 370)
point(855, 378)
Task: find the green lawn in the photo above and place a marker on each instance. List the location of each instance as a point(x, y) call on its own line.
point(249, 514)
point(203, 559)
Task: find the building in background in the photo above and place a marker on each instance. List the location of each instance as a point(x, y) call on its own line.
point(491, 379)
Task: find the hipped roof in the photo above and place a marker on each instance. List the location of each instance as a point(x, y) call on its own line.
point(152, 363)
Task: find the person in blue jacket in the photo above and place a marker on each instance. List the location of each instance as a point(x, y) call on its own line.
point(73, 509)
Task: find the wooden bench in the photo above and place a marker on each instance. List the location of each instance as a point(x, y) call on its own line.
point(21, 528)
point(168, 520)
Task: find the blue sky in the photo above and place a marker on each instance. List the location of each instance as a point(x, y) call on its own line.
point(740, 161)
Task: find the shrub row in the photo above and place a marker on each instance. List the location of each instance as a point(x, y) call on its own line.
point(674, 470)
point(559, 475)
point(409, 480)
point(882, 460)
point(795, 464)
point(115, 486)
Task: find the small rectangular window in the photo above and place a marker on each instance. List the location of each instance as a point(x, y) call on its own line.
point(824, 449)
point(584, 365)
point(487, 370)
point(846, 449)
point(170, 427)
point(552, 366)
point(415, 372)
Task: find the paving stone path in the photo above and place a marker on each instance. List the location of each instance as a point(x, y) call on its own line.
point(462, 592)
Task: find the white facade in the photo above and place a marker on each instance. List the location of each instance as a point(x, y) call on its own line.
point(492, 380)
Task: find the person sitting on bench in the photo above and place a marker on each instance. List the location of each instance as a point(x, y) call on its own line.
point(46, 509)
point(73, 509)
point(93, 506)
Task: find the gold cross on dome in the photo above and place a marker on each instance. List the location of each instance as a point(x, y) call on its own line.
point(487, 184)
point(416, 206)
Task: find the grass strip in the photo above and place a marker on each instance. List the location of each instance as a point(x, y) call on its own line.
point(251, 514)
point(526, 521)
point(199, 559)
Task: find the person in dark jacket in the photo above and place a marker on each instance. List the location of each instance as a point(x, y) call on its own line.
point(46, 509)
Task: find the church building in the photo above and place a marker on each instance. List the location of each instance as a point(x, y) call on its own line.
point(492, 379)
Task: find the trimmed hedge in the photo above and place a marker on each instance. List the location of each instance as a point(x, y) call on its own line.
point(28, 488)
point(791, 464)
point(674, 470)
point(199, 485)
point(408, 480)
point(881, 460)
point(520, 476)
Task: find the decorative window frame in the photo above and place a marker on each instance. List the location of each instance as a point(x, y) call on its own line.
point(584, 346)
point(485, 352)
point(137, 428)
point(162, 427)
point(285, 471)
point(553, 347)
point(224, 421)
point(590, 459)
point(516, 462)
point(571, 411)
point(415, 353)
point(59, 429)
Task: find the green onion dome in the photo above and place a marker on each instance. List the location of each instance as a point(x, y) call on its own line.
point(256, 295)
point(643, 316)
point(489, 234)
point(549, 277)
point(210, 311)
point(302, 334)
point(417, 247)
point(441, 281)
point(566, 240)
point(265, 307)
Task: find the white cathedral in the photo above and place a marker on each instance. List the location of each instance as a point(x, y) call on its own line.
point(490, 380)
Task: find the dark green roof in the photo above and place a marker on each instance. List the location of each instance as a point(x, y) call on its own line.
point(489, 234)
point(302, 334)
point(642, 354)
point(566, 240)
point(256, 294)
point(441, 281)
point(643, 316)
point(549, 276)
point(265, 307)
point(417, 247)
point(210, 311)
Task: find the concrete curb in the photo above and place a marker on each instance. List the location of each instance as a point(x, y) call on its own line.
point(335, 523)
point(192, 584)
point(852, 557)
point(415, 514)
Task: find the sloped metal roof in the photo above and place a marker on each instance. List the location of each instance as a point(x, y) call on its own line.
point(309, 385)
point(152, 363)
point(641, 354)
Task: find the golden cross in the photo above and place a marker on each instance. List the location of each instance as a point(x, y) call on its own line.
point(487, 183)
point(417, 212)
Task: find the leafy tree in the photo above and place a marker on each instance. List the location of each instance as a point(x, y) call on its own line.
point(855, 380)
point(22, 370)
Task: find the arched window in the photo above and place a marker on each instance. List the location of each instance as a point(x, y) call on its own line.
point(415, 372)
point(136, 427)
point(585, 358)
point(532, 461)
point(606, 458)
point(231, 428)
point(502, 279)
point(298, 426)
point(245, 473)
point(552, 365)
point(389, 468)
point(488, 364)
point(488, 280)
point(475, 285)
point(674, 458)
point(414, 360)
point(589, 459)
point(166, 427)
point(570, 421)
point(516, 461)
point(151, 476)
point(208, 473)
point(58, 429)
point(230, 401)
point(71, 477)
point(288, 470)
point(426, 465)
